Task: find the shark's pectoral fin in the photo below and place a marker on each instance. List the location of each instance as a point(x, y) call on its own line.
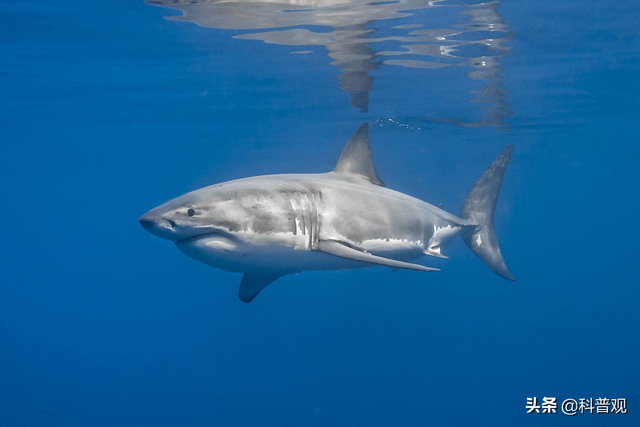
point(253, 283)
point(342, 250)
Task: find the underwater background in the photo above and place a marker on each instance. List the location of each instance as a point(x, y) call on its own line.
point(110, 108)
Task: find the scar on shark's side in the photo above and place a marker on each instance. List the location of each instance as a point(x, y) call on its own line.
point(268, 226)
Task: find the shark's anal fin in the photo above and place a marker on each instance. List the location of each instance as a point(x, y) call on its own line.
point(342, 250)
point(253, 283)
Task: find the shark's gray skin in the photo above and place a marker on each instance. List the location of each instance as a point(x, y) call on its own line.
point(269, 226)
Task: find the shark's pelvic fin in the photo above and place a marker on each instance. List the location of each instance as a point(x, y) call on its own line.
point(252, 284)
point(356, 157)
point(435, 253)
point(343, 250)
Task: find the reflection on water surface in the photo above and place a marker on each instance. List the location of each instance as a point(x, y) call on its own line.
point(475, 39)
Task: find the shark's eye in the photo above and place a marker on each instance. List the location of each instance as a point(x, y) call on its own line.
point(191, 212)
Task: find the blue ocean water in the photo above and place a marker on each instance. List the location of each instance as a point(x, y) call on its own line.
point(111, 108)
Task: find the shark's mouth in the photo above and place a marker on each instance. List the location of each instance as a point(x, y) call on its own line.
point(209, 234)
point(195, 238)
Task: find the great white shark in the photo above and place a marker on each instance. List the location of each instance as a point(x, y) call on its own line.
point(273, 225)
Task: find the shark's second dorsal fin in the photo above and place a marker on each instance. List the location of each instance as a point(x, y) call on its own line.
point(356, 157)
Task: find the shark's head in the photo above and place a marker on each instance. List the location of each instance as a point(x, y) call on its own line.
point(189, 216)
point(219, 224)
point(228, 208)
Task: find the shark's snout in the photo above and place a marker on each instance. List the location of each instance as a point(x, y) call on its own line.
point(158, 226)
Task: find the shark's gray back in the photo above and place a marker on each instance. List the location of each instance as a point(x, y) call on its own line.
point(331, 206)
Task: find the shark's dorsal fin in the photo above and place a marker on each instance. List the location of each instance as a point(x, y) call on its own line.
point(342, 250)
point(253, 283)
point(356, 158)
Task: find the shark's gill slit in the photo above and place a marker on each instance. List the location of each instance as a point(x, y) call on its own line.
point(303, 225)
point(292, 217)
point(309, 219)
point(316, 228)
point(296, 213)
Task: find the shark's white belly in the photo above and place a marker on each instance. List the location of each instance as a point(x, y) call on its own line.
point(285, 252)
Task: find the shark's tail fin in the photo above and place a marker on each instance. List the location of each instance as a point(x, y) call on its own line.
point(479, 207)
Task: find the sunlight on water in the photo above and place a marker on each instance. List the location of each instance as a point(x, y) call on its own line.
point(474, 38)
